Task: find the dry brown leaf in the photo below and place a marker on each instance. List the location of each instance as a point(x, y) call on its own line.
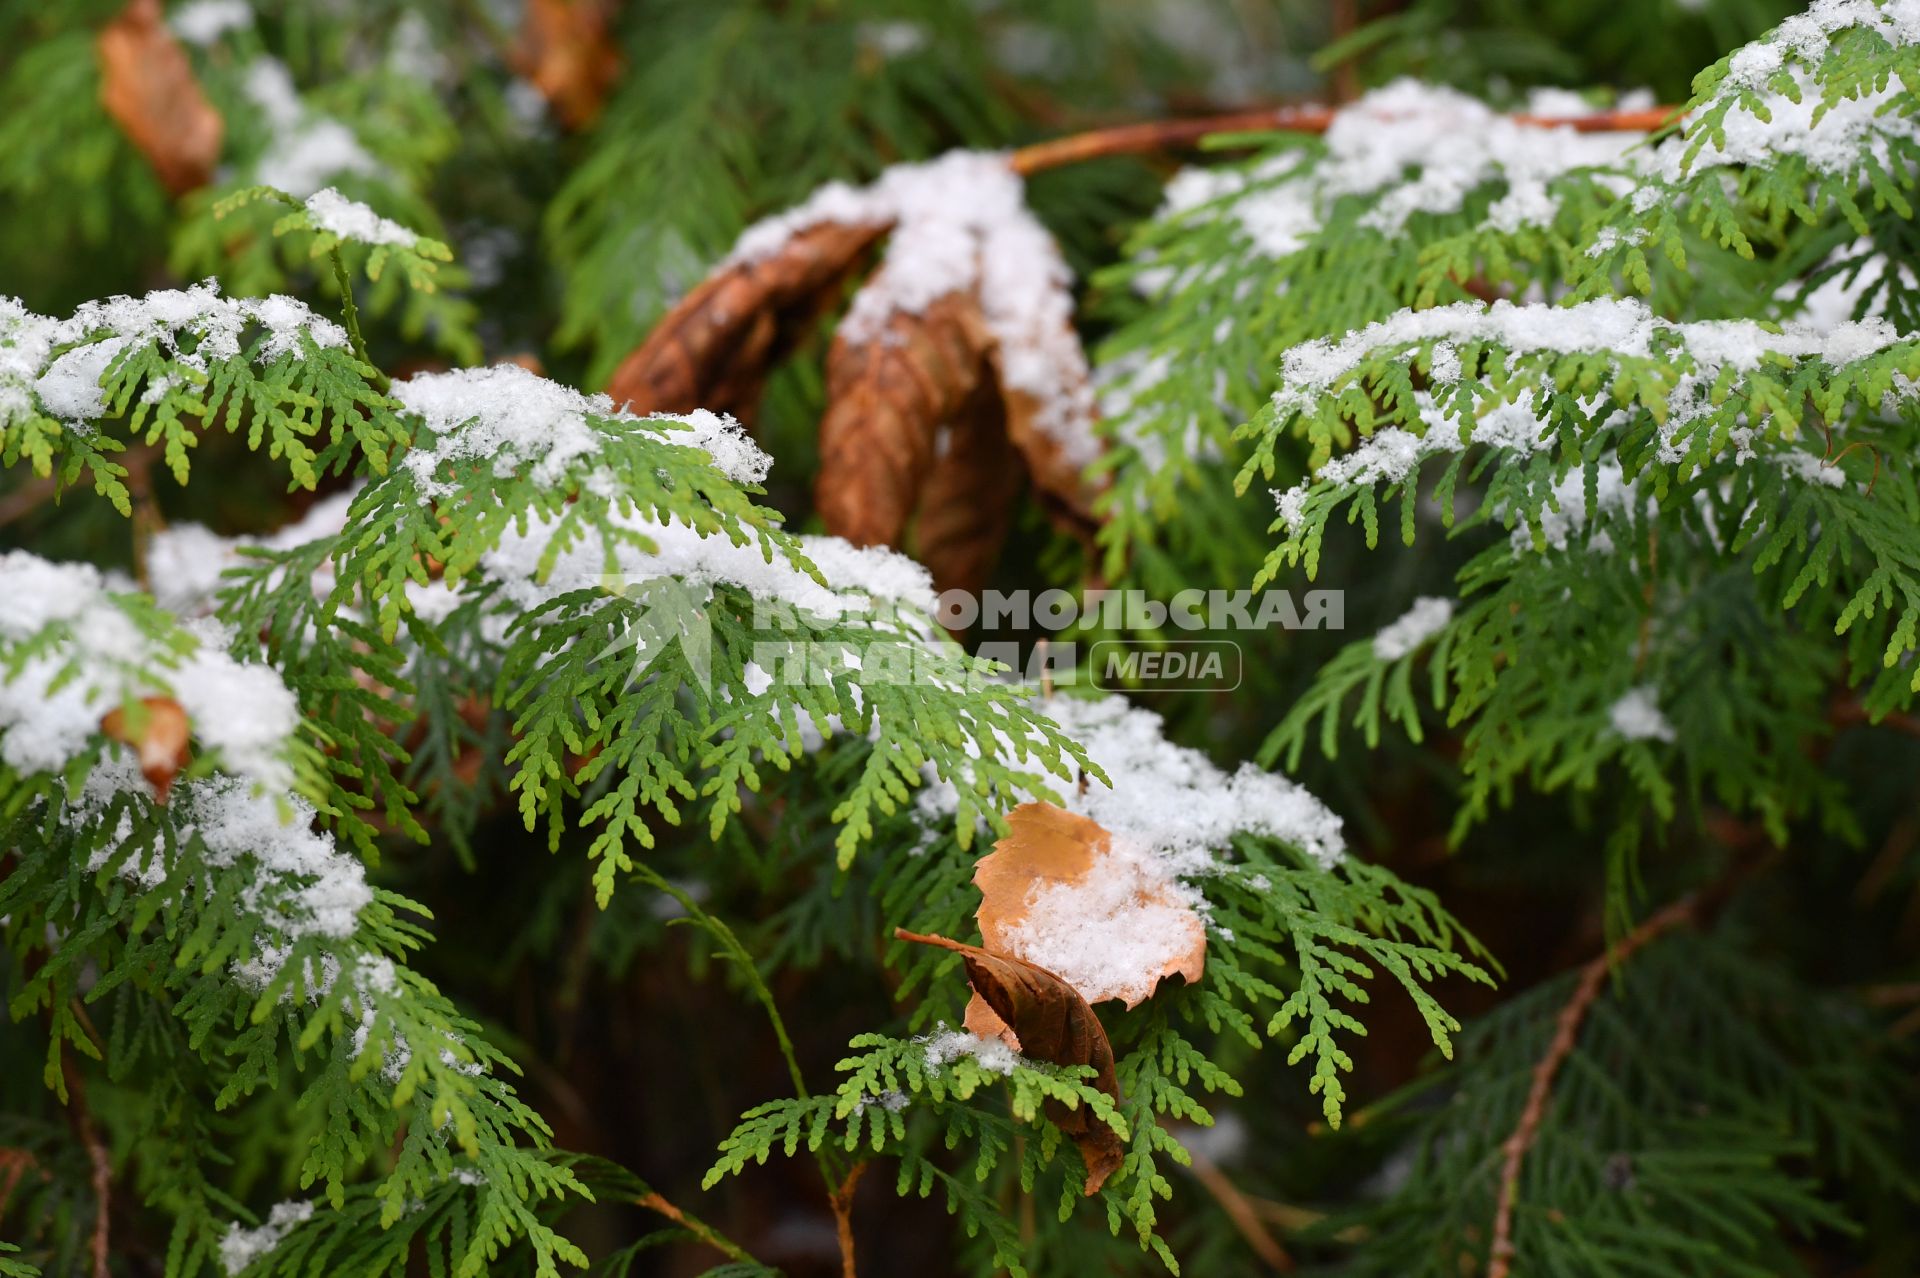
point(1051, 1023)
point(713, 349)
point(966, 503)
point(1046, 845)
point(566, 49)
point(887, 399)
point(158, 733)
point(147, 86)
point(1061, 484)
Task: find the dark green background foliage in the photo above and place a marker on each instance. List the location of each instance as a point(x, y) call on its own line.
point(695, 925)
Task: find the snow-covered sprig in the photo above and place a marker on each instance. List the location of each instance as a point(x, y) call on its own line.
point(1545, 387)
point(74, 651)
point(563, 523)
point(1292, 925)
point(228, 911)
point(308, 144)
point(227, 907)
point(1814, 119)
point(1290, 917)
point(175, 361)
point(332, 220)
point(1415, 195)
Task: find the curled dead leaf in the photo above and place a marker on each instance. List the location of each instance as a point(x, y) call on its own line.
point(1049, 1022)
point(157, 729)
point(1056, 882)
point(147, 86)
point(888, 397)
point(923, 414)
point(1061, 482)
point(966, 503)
point(566, 49)
point(715, 347)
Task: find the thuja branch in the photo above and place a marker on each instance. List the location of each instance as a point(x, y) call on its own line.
point(839, 1192)
point(1566, 1033)
point(351, 313)
point(343, 280)
point(841, 1200)
point(653, 1201)
point(743, 959)
point(1166, 135)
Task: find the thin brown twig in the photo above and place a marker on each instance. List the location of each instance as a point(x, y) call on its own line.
point(1346, 76)
point(1241, 1212)
point(1165, 135)
point(97, 1154)
point(653, 1201)
point(841, 1200)
point(1849, 714)
point(147, 520)
point(14, 1164)
point(1566, 1032)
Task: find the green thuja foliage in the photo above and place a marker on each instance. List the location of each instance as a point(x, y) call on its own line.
point(451, 824)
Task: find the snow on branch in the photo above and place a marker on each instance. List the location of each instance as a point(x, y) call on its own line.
point(1408, 148)
point(521, 420)
point(1797, 92)
point(1170, 801)
point(74, 651)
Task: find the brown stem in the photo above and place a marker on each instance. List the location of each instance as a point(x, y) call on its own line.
point(147, 519)
point(82, 1120)
point(653, 1201)
point(1164, 135)
point(1566, 1032)
point(1852, 713)
point(14, 1164)
point(1241, 1212)
point(841, 1200)
point(1346, 76)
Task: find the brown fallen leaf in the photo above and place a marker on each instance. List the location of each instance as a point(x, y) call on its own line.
point(147, 86)
point(966, 503)
point(1062, 484)
point(566, 49)
point(887, 399)
point(919, 375)
point(1050, 1023)
point(712, 349)
point(158, 733)
point(1047, 846)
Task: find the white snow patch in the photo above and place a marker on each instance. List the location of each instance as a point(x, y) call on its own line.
point(241, 1247)
point(1412, 148)
point(1427, 618)
point(203, 22)
point(190, 326)
point(1636, 716)
point(351, 220)
point(105, 660)
point(518, 419)
point(946, 1046)
point(1112, 932)
point(306, 151)
point(1167, 800)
